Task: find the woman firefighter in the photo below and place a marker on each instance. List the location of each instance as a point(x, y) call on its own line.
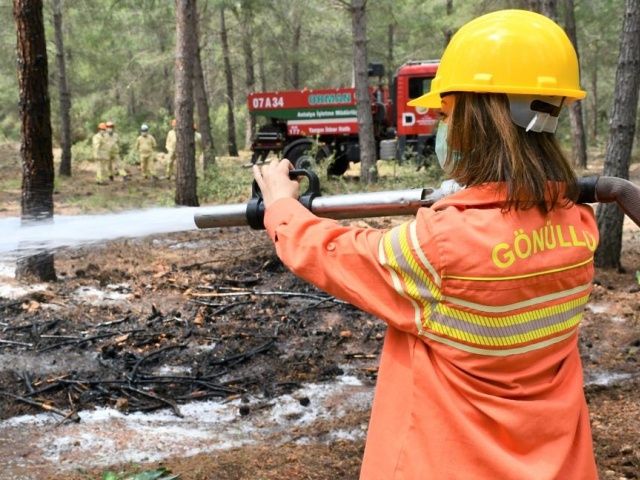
point(480, 375)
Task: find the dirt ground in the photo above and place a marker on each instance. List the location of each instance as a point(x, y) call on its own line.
point(272, 333)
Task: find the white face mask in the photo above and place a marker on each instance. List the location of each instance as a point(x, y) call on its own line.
point(442, 146)
point(441, 143)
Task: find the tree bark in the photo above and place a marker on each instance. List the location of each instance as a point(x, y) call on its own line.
point(36, 147)
point(621, 133)
point(132, 108)
point(63, 89)
point(579, 144)
point(448, 32)
point(368, 168)
point(246, 24)
point(295, 45)
point(232, 145)
point(186, 49)
point(595, 117)
point(261, 69)
point(202, 107)
point(548, 8)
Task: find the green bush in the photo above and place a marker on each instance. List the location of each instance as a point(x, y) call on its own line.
point(82, 151)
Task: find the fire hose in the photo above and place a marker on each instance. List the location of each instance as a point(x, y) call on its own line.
point(396, 202)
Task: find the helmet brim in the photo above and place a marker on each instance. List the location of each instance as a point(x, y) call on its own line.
point(433, 98)
point(428, 100)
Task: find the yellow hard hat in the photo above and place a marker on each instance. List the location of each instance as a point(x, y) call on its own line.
point(102, 126)
point(508, 51)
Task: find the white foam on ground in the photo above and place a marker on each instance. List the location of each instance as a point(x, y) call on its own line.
point(7, 270)
point(96, 297)
point(605, 379)
point(15, 291)
point(106, 436)
point(598, 307)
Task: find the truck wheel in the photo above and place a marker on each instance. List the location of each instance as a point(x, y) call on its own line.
point(305, 155)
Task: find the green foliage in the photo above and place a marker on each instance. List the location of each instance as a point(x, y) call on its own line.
point(225, 182)
point(106, 201)
point(82, 151)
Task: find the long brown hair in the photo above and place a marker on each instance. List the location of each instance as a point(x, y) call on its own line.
point(494, 149)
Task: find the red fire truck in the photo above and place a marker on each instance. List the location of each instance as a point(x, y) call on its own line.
point(310, 127)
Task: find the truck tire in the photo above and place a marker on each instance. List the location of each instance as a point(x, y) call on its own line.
point(302, 155)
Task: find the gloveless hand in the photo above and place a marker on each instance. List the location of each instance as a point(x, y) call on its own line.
point(274, 182)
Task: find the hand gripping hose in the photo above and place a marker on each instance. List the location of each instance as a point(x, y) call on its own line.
point(612, 189)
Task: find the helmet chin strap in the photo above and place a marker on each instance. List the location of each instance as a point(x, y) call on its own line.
point(535, 113)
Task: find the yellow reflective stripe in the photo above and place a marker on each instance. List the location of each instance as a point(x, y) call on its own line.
point(505, 341)
point(413, 232)
point(526, 275)
point(517, 305)
point(407, 253)
point(502, 352)
point(504, 321)
point(397, 283)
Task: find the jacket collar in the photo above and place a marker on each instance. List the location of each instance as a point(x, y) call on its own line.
point(493, 193)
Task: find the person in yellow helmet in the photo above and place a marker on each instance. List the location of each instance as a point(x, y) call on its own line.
point(145, 146)
point(100, 148)
point(170, 146)
point(115, 161)
point(480, 375)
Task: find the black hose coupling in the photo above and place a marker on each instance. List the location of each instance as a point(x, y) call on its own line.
point(255, 206)
point(587, 186)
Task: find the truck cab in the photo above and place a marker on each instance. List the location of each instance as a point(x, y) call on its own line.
point(415, 126)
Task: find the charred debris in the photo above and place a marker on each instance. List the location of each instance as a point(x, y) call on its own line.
point(243, 337)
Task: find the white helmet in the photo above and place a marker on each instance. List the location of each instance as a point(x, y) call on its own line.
point(144, 127)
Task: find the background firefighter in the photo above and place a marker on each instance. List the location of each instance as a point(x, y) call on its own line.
point(145, 147)
point(115, 162)
point(100, 148)
point(480, 374)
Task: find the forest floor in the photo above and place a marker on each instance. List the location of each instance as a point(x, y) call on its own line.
point(166, 324)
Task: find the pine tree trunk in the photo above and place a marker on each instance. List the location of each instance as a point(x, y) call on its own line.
point(594, 99)
point(202, 106)
point(246, 23)
point(186, 49)
point(621, 133)
point(548, 8)
point(132, 108)
point(261, 69)
point(448, 33)
point(368, 168)
point(579, 144)
point(36, 148)
point(65, 96)
point(232, 145)
point(295, 46)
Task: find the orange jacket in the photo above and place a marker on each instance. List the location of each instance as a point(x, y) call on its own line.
point(480, 375)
